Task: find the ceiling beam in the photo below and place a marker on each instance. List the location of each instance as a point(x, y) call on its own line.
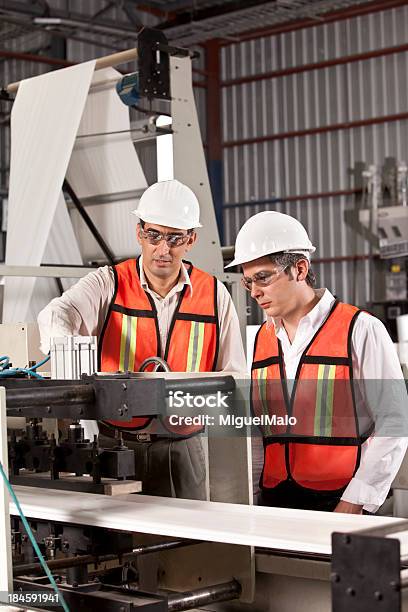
point(329, 17)
point(32, 10)
point(219, 10)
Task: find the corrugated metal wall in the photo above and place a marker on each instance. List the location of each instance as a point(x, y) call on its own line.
point(315, 163)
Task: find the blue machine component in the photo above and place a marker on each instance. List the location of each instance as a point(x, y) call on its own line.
point(128, 89)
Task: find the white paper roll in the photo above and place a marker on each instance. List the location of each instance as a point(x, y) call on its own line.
point(402, 328)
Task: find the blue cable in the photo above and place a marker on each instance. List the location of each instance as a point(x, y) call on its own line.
point(10, 372)
point(4, 362)
point(7, 372)
point(40, 363)
point(46, 569)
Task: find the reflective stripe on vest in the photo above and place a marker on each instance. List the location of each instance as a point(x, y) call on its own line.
point(321, 449)
point(131, 331)
point(324, 400)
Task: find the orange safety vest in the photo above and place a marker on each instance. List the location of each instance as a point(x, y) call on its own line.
point(313, 434)
point(131, 331)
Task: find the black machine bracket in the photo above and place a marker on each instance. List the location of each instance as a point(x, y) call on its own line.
point(154, 63)
point(366, 570)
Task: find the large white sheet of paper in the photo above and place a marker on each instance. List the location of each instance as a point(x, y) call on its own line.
point(44, 122)
point(281, 528)
point(104, 162)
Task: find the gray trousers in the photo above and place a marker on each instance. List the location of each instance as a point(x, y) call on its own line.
point(168, 467)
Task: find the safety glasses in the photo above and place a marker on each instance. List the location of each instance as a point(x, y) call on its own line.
point(173, 240)
point(262, 279)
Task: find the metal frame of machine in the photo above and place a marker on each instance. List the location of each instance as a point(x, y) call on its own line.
point(164, 73)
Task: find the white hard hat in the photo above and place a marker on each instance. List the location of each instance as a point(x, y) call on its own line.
point(270, 232)
point(169, 203)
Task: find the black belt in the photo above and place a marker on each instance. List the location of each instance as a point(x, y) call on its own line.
point(136, 436)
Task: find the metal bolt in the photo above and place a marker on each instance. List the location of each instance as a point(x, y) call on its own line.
point(346, 539)
point(124, 386)
point(335, 577)
point(395, 585)
point(125, 407)
point(378, 595)
point(350, 591)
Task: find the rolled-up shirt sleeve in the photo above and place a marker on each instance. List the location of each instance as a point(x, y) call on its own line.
point(81, 310)
point(380, 380)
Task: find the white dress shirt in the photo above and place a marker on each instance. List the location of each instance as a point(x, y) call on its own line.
point(374, 359)
point(83, 308)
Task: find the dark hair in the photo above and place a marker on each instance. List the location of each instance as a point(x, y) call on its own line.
point(291, 259)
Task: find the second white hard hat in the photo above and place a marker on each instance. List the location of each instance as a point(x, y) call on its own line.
point(169, 203)
point(270, 232)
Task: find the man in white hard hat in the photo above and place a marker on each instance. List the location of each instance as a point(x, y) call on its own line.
point(333, 444)
point(156, 305)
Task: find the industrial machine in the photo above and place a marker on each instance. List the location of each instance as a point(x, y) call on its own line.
point(95, 567)
point(381, 218)
point(108, 548)
point(37, 461)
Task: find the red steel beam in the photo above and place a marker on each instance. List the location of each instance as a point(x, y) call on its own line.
point(339, 258)
point(297, 198)
point(317, 130)
point(339, 15)
point(349, 59)
point(30, 57)
point(323, 194)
